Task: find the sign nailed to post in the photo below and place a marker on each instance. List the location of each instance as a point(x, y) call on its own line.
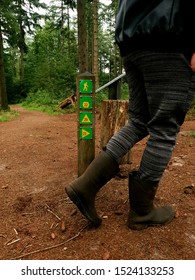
point(86, 120)
point(86, 133)
point(86, 102)
point(86, 86)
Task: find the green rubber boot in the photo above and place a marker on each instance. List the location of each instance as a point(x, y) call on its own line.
point(83, 190)
point(142, 212)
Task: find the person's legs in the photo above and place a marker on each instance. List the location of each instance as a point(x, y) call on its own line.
point(84, 189)
point(135, 130)
point(167, 81)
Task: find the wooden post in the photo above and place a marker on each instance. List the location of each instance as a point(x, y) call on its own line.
point(114, 92)
point(86, 120)
point(114, 115)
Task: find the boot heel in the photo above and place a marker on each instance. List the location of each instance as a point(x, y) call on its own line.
point(142, 212)
point(87, 210)
point(83, 190)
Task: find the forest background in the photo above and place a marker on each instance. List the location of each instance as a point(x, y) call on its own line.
point(44, 46)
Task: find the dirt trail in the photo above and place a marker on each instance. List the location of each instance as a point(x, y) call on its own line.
point(37, 221)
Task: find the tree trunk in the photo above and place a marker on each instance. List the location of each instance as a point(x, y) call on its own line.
point(62, 40)
point(68, 25)
point(95, 42)
point(82, 36)
point(22, 48)
point(114, 115)
point(3, 93)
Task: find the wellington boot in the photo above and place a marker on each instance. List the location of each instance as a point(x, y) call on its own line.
point(83, 190)
point(142, 212)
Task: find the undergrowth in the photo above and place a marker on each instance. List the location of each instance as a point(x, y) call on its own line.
point(8, 115)
point(42, 101)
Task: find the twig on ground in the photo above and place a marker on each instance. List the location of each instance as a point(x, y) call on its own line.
point(9, 240)
point(126, 200)
point(25, 213)
point(26, 246)
point(52, 226)
point(15, 231)
point(51, 247)
point(12, 242)
point(49, 210)
point(54, 214)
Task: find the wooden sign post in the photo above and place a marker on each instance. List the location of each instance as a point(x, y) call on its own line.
point(86, 120)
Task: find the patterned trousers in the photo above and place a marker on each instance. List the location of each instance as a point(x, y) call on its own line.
point(161, 87)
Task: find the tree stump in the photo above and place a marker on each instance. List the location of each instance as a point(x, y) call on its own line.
point(114, 115)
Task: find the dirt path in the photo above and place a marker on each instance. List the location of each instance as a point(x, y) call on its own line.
point(37, 221)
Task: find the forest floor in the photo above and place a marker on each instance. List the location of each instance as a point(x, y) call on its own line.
point(38, 222)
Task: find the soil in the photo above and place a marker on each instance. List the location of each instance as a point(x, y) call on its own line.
point(38, 221)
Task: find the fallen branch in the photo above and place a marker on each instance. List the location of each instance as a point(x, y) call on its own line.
point(51, 247)
point(70, 100)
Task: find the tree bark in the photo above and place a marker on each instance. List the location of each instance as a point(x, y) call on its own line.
point(3, 93)
point(95, 42)
point(82, 36)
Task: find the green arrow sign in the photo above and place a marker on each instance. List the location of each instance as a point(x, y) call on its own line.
point(86, 102)
point(85, 86)
point(85, 118)
point(86, 133)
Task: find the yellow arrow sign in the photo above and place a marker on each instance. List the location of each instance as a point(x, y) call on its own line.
point(85, 133)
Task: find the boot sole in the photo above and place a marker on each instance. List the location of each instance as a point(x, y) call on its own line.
point(140, 226)
point(96, 221)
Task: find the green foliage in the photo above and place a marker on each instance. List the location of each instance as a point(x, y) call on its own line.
point(42, 101)
point(191, 112)
point(46, 63)
point(192, 133)
point(48, 67)
point(100, 96)
point(39, 99)
point(124, 91)
point(8, 115)
point(12, 81)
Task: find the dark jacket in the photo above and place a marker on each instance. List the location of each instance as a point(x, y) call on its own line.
point(157, 25)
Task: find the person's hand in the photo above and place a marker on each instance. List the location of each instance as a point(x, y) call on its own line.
point(192, 62)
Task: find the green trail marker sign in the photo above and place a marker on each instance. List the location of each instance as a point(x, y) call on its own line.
point(85, 86)
point(86, 118)
point(86, 133)
point(86, 102)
